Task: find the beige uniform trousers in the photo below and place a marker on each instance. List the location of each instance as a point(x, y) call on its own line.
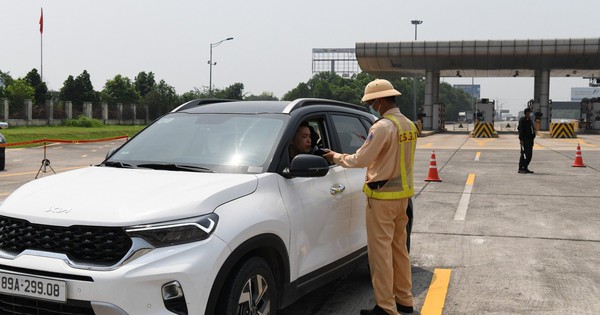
point(388, 257)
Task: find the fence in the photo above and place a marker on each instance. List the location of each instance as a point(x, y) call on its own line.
point(49, 115)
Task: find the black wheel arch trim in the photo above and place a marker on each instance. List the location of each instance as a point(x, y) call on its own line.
point(268, 246)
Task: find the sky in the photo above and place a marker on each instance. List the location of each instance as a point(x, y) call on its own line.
point(272, 42)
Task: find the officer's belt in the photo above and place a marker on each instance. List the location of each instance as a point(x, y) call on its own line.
point(377, 184)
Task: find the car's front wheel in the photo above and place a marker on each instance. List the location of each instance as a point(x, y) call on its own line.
point(251, 290)
point(2, 160)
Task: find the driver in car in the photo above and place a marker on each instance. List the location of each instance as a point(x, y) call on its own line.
point(302, 142)
point(305, 141)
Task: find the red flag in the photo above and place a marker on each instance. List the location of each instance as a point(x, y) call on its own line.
point(41, 20)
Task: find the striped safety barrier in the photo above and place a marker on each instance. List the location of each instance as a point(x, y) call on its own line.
point(484, 130)
point(16, 144)
point(562, 130)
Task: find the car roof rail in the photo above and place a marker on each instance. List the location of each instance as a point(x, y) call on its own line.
point(301, 102)
point(200, 102)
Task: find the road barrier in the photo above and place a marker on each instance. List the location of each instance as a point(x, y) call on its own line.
point(484, 130)
point(44, 141)
point(562, 130)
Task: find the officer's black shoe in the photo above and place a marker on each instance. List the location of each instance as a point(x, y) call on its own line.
point(522, 172)
point(404, 309)
point(375, 311)
point(528, 172)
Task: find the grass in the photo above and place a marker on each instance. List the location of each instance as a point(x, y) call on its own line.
point(23, 134)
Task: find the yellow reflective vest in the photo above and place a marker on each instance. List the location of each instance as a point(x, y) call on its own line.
point(402, 184)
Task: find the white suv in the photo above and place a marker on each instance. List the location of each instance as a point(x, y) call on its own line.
point(202, 212)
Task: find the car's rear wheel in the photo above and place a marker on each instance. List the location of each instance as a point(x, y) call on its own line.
point(251, 290)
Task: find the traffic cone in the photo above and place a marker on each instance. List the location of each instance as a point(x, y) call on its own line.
point(578, 159)
point(433, 173)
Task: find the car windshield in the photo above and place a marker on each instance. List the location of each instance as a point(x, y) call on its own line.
point(203, 142)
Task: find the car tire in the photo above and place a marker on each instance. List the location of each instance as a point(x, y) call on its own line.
point(251, 290)
point(2, 161)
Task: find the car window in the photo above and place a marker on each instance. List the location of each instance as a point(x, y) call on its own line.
point(350, 131)
point(210, 140)
point(320, 132)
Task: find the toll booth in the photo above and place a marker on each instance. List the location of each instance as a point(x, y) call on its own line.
point(484, 119)
point(540, 115)
point(590, 114)
point(439, 116)
point(433, 120)
point(484, 111)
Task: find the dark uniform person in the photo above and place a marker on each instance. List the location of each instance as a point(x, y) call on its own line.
point(526, 136)
point(388, 154)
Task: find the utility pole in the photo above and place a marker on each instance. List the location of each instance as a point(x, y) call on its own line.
point(415, 23)
point(211, 63)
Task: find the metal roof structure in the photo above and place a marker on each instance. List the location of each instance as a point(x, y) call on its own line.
point(483, 58)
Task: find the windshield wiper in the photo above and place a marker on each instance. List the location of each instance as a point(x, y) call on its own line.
point(117, 164)
point(175, 167)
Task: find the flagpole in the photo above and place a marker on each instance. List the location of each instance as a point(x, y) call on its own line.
point(42, 44)
point(41, 57)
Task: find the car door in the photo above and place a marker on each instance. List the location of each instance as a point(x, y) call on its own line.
point(351, 132)
point(320, 210)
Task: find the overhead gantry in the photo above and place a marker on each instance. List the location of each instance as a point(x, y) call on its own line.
point(537, 58)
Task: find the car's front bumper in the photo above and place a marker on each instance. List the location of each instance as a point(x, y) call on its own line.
point(135, 287)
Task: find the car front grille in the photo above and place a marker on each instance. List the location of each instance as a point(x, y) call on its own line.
point(12, 305)
point(101, 246)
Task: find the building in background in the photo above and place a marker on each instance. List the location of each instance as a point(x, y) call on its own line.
point(341, 61)
point(579, 93)
point(472, 89)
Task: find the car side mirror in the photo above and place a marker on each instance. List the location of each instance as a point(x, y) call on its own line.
point(307, 165)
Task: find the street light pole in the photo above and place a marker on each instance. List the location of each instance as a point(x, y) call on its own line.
point(415, 23)
point(211, 63)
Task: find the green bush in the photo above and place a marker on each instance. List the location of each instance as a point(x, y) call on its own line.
point(83, 121)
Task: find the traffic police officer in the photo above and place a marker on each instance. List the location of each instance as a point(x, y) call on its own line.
point(388, 154)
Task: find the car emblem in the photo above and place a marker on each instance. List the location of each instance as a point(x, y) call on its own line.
point(58, 210)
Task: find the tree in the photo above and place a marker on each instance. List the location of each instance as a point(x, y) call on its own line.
point(144, 83)
point(332, 86)
point(120, 90)
point(17, 93)
point(41, 90)
point(160, 100)
point(232, 92)
point(300, 91)
point(456, 100)
point(79, 90)
point(194, 94)
point(264, 96)
point(5, 81)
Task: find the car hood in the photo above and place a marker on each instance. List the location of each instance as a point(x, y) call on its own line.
point(121, 197)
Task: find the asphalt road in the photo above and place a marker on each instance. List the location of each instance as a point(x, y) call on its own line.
point(526, 243)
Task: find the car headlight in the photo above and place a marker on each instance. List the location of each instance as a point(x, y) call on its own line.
point(176, 232)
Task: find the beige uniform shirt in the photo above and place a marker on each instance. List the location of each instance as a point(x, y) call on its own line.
point(379, 152)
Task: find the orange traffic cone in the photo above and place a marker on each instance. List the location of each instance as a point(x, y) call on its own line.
point(578, 159)
point(433, 173)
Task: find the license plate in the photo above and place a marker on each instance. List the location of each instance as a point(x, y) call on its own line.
point(35, 287)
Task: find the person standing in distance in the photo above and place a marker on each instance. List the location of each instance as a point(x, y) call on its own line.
point(388, 154)
point(526, 136)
